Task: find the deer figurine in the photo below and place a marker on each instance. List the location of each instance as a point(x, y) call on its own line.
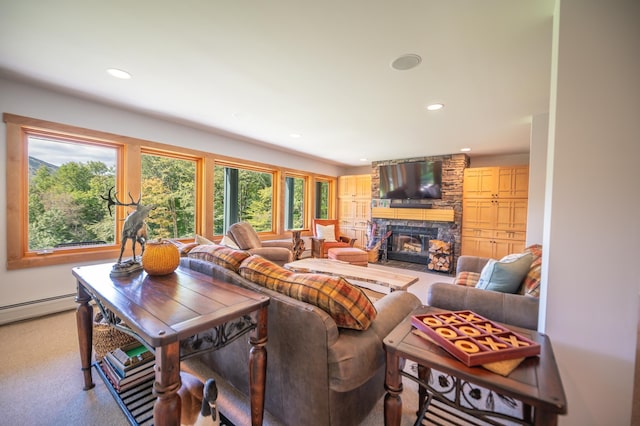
point(135, 228)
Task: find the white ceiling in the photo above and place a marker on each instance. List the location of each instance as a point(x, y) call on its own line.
point(266, 69)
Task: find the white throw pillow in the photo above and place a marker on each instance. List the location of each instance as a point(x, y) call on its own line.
point(203, 241)
point(226, 241)
point(505, 275)
point(326, 233)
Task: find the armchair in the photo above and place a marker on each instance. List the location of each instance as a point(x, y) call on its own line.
point(246, 238)
point(326, 235)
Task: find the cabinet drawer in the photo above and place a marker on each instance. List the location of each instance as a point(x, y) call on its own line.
point(478, 233)
point(510, 235)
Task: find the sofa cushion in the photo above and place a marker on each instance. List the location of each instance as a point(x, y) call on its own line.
point(531, 283)
point(505, 275)
point(220, 255)
point(467, 278)
point(347, 304)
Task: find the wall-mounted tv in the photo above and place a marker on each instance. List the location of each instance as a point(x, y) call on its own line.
point(411, 180)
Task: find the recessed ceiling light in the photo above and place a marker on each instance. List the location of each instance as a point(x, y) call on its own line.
point(465, 149)
point(295, 135)
point(406, 62)
point(435, 107)
point(114, 72)
point(363, 160)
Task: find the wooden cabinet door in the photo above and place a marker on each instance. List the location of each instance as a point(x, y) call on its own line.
point(511, 215)
point(513, 182)
point(363, 186)
point(479, 182)
point(346, 210)
point(501, 248)
point(478, 213)
point(362, 210)
point(482, 247)
point(346, 186)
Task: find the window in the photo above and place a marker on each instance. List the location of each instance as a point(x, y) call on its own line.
point(61, 177)
point(242, 195)
point(322, 199)
point(170, 185)
point(294, 202)
point(66, 179)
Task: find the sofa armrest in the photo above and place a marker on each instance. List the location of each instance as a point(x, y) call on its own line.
point(514, 309)
point(471, 264)
point(278, 243)
point(392, 309)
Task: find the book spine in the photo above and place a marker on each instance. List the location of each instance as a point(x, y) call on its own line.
point(111, 375)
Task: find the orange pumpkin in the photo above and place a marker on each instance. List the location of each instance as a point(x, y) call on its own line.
point(160, 257)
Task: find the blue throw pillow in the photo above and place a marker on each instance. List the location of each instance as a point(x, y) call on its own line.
point(505, 275)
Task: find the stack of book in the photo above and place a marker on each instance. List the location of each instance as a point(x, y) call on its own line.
point(128, 366)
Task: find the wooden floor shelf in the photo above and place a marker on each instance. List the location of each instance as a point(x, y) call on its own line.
point(137, 403)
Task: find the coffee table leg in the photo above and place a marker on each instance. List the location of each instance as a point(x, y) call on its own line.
point(393, 385)
point(258, 366)
point(166, 411)
point(84, 314)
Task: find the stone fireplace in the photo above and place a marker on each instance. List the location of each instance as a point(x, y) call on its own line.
point(409, 239)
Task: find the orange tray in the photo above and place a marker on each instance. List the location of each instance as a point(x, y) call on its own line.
point(473, 339)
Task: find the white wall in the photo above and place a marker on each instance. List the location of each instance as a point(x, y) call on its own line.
point(537, 178)
point(591, 231)
point(26, 285)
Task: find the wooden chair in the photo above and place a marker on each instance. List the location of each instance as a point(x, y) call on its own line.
point(322, 239)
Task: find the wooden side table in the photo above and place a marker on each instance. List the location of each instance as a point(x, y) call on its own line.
point(535, 382)
point(160, 311)
point(298, 243)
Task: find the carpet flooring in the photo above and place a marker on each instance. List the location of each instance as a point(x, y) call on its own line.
point(42, 383)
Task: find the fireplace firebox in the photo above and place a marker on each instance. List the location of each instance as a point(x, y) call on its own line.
point(420, 245)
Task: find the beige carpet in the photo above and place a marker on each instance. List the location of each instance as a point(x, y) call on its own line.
point(41, 382)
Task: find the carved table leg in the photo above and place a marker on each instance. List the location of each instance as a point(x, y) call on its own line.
point(84, 314)
point(258, 366)
point(393, 385)
point(166, 411)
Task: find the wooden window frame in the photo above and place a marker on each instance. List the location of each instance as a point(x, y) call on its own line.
point(128, 180)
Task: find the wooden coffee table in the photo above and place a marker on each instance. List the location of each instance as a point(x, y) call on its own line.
point(388, 279)
point(160, 311)
point(535, 382)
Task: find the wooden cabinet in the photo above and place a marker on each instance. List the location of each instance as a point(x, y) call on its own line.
point(494, 211)
point(354, 206)
point(496, 182)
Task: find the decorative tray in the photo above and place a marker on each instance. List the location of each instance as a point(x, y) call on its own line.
point(473, 339)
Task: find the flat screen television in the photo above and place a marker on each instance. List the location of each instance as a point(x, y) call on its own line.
point(411, 180)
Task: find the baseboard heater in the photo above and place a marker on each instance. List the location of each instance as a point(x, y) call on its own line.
point(37, 308)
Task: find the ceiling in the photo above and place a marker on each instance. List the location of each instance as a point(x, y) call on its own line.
point(321, 70)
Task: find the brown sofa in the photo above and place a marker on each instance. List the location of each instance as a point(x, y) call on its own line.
point(317, 373)
point(519, 309)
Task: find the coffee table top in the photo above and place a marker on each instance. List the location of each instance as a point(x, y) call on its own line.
point(536, 381)
point(385, 278)
point(167, 308)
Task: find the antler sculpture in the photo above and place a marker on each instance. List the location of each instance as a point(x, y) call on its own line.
point(135, 228)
